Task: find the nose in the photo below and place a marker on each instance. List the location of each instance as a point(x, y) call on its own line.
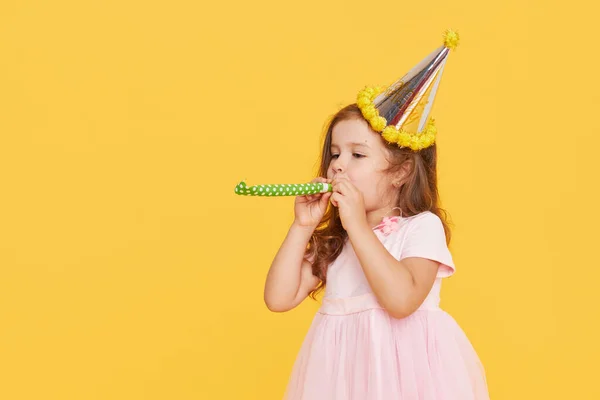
point(337, 166)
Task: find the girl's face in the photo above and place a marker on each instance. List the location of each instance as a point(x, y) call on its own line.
point(360, 154)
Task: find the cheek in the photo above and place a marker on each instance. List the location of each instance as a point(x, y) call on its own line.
point(360, 178)
point(363, 183)
point(369, 184)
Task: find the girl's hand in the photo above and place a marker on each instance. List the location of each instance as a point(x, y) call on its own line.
point(350, 203)
point(310, 209)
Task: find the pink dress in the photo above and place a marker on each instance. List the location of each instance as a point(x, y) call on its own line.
point(354, 350)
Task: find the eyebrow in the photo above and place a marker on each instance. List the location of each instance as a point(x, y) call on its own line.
point(352, 144)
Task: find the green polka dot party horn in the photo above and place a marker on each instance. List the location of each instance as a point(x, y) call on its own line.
point(276, 190)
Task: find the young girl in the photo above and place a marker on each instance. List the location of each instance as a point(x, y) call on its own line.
point(380, 252)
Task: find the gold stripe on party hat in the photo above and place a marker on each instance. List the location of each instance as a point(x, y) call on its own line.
point(401, 111)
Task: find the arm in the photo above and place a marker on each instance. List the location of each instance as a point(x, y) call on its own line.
point(290, 278)
point(400, 286)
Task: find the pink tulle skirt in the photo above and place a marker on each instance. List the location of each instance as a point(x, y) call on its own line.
point(351, 353)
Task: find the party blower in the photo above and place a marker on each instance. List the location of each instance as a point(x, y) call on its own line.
point(285, 189)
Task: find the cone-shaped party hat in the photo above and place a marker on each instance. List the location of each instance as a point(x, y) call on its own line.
point(401, 111)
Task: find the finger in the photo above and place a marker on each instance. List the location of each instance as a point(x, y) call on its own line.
point(337, 181)
point(325, 198)
point(338, 188)
point(335, 197)
point(332, 199)
point(347, 188)
point(341, 179)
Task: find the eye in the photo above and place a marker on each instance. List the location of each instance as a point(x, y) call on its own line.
point(358, 155)
point(334, 155)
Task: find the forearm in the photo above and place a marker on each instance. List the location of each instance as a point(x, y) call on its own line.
point(284, 276)
point(391, 282)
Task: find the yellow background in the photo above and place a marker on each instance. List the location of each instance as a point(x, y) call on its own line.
point(129, 269)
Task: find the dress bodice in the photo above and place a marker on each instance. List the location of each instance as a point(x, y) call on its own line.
point(346, 279)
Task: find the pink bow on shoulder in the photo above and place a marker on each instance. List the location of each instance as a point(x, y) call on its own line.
point(388, 225)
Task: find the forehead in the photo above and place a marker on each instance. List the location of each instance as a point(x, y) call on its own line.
point(354, 131)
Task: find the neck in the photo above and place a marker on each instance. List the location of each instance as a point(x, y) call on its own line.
point(374, 217)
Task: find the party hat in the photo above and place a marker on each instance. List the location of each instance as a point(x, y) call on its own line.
point(401, 111)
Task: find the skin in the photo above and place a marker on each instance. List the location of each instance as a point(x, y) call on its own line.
point(363, 194)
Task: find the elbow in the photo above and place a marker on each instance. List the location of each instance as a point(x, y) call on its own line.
point(398, 314)
point(274, 306)
point(399, 309)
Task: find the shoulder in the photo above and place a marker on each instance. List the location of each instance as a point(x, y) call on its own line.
point(418, 227)
point(426, 224)
point(425, 217)
point(424, 214)
point(426, 238)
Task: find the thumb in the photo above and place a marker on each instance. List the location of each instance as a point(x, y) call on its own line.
point(325, 199)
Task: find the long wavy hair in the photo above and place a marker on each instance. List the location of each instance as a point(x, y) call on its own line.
point(419, 193)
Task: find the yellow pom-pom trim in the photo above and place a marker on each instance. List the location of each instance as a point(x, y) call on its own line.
point(400, 137)
point(364, 100)
point(414, 141)
point(451, 39)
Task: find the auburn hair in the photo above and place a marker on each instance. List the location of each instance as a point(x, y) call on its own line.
point(419, 193)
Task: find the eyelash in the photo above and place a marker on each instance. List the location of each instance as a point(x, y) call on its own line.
point(354, 154)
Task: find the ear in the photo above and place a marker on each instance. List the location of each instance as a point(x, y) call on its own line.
point(405, 170)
